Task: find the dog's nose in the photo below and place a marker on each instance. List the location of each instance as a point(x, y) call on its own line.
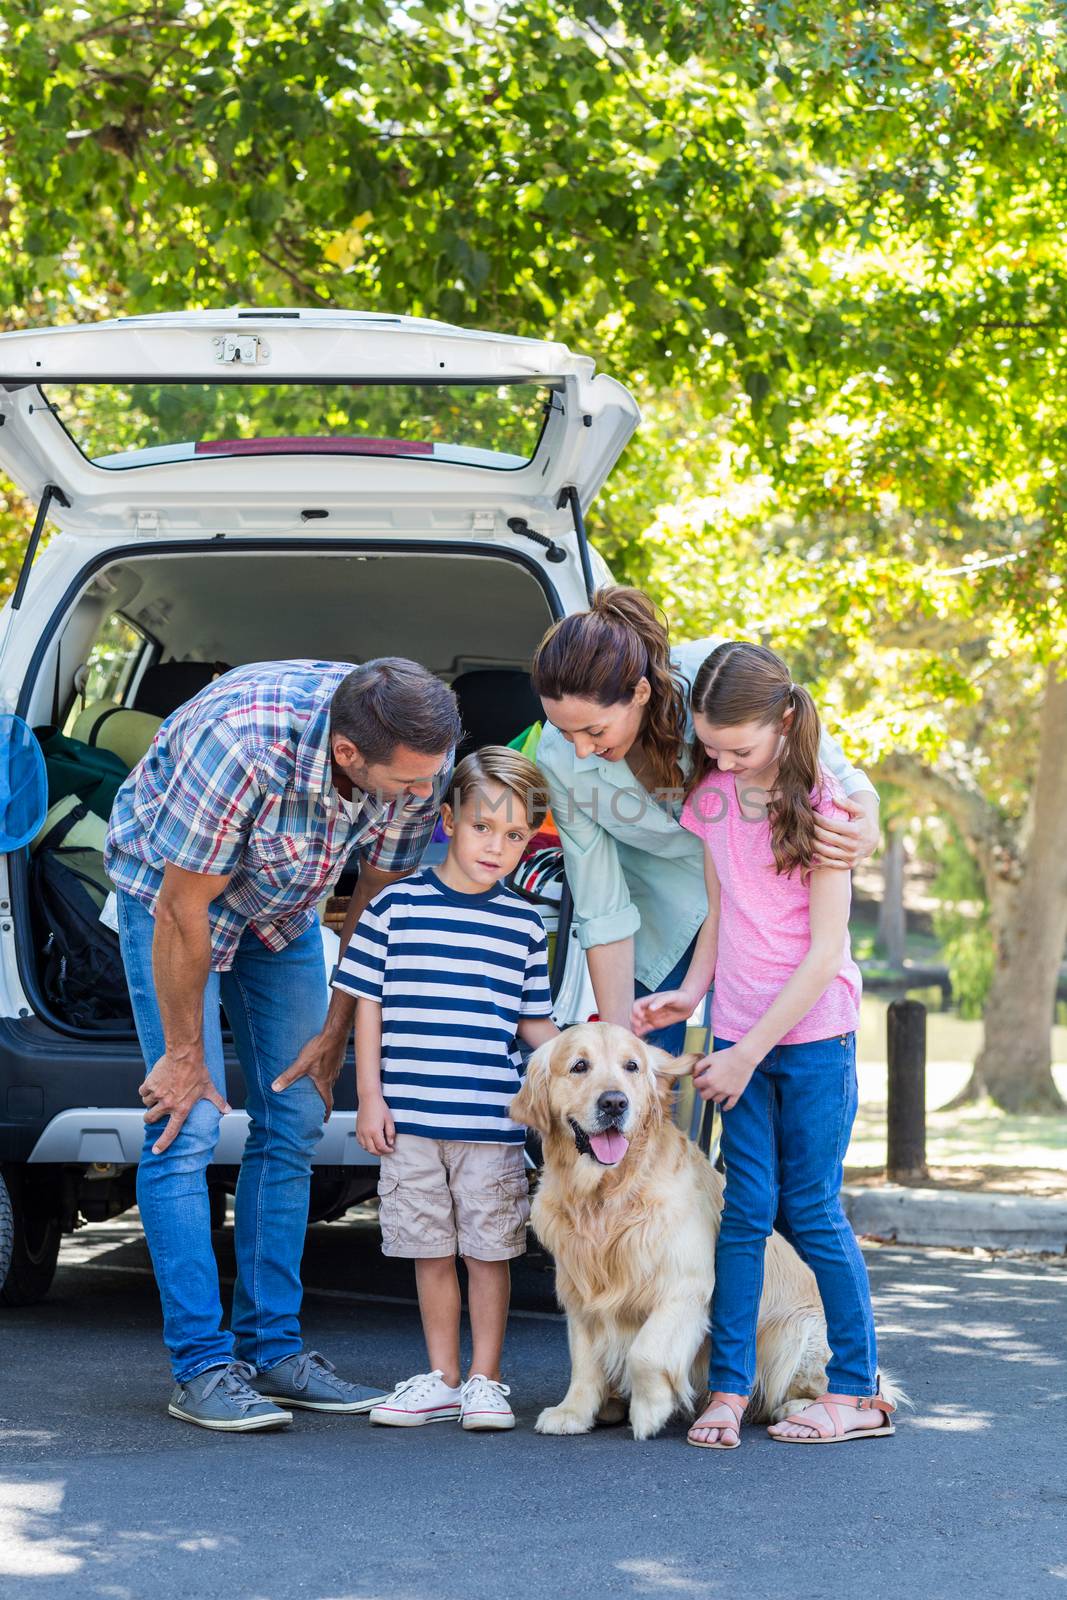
point(612, 1103)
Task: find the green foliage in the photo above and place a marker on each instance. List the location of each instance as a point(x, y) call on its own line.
point(16, 518)
point(111, 663)
point(838, 228)
point(957, 879)
point(104, 418)
point(822, 241)
point(961, 924)
point(967, 949)
point(505, 169)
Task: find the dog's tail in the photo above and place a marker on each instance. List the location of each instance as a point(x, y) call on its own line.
point(893, 1392)
point(791, 1357)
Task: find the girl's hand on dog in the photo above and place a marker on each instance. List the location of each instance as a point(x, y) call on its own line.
point(660, 1010)
point(723, 1077)
point(375, 1128)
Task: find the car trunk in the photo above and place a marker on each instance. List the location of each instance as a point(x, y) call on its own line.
point(148, 625)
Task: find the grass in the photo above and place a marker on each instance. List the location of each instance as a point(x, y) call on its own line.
point(974, 1136)
point(976, 1145)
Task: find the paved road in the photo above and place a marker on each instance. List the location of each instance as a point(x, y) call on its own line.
point(102, 1495)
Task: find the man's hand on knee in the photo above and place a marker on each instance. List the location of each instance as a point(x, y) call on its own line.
point(172, 1089)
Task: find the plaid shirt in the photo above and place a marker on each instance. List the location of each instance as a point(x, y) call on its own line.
point(239, 781)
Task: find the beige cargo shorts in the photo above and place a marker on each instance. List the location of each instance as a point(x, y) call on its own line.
point(443, 1196)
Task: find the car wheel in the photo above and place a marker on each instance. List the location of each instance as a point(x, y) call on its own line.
point(36, 1231)
point(335, 1189)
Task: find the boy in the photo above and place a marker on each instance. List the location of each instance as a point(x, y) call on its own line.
point(447, 967)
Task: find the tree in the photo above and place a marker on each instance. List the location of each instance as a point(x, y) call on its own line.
point(417, 158)
point(1024, 867)
point(892, 916)
point(941, 693)
point(823, 240)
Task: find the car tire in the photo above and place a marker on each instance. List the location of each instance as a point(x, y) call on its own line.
point(36, 1232)
point(7, 1229)
point(335, 1189)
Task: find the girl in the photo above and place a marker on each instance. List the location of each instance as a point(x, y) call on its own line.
point(784, 1011)
point(615, 757)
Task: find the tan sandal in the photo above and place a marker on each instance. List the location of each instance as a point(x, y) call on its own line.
point(735, 1404)
point(835, 1431)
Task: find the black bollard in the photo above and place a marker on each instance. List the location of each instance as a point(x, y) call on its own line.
point(906, 1112)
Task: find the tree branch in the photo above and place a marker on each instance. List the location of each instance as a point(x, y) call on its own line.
point(294, 277)
point(981, 824)
point(929, 633)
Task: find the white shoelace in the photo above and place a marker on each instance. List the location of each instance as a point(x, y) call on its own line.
point(418, 1387)
point(482, 1391)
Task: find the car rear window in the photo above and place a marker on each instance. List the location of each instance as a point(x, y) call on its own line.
point(120, 426)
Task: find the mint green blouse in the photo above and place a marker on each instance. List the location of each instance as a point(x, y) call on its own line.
point(632, 868)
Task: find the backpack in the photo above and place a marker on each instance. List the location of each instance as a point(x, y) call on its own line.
point(80, 964)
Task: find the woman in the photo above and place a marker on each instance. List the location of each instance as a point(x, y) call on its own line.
point(615, 757)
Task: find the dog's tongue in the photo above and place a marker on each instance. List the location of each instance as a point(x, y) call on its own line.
point(609, 1148)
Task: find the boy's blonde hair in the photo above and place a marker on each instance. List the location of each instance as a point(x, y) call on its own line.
point(495, 763)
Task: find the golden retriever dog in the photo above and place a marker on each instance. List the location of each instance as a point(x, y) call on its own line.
point(629, 1208)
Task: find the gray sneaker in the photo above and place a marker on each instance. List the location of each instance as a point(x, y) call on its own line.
point(310, 1381)
point(220, 1398)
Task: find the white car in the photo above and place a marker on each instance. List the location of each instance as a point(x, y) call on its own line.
point(249, 485)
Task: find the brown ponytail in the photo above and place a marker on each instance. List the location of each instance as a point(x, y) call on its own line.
point(603, 653)
point(741, 683)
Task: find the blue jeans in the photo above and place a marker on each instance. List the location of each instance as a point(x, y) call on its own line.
point(672, 1038)
point(275, 1002)
point(784, 1145)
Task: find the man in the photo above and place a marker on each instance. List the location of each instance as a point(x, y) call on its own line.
point(240, 817)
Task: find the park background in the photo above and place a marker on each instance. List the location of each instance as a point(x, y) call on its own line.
point(826, 245)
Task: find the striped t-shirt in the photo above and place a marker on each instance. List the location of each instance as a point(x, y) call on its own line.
point(453, 974)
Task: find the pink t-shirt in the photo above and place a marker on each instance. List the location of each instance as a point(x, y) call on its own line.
point(764, 929)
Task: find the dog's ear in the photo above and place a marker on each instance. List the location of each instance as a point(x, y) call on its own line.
point(671, 1067)
point(531, 1105)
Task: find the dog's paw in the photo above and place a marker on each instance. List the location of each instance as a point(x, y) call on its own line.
point(561, 1419)
point(786, 1409)
point(649, 1417)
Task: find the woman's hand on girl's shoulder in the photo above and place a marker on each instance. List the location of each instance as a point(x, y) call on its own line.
point(724, 1076)
point(845, 842)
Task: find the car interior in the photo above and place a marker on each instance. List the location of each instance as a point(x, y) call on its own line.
point(149, 631)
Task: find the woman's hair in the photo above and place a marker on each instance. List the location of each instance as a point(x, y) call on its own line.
point(741, 683)
point(495, 763)
point(603, 653)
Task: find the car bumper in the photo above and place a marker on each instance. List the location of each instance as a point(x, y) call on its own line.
point(115, 1137)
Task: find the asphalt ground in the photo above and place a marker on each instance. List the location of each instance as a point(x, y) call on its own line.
point(101, 1494)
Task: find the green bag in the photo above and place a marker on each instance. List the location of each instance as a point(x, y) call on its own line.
point(94, 775)
point(527, 741)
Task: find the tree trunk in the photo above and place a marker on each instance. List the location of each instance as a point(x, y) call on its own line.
point(892, 918)
point(1029, 925)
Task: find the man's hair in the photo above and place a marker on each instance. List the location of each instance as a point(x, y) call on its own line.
point(495, 763)
point(391, 702)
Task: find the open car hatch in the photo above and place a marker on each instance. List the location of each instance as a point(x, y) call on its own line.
point(268, 421)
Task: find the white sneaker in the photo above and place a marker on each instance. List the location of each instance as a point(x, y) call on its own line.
point(485, 1404)
point(424, 1398)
